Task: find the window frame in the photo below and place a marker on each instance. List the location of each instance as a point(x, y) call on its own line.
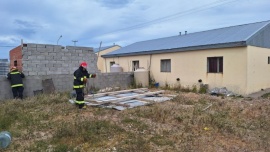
point(112, 63)
point(167, 67)
point(15, 63)
point(135, 65)
point(215, 67)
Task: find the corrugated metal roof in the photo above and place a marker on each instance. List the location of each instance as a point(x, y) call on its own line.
point(217, 38)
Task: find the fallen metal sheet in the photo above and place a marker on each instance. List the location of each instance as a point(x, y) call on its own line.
point(157, 99)
point(141, 90)
point(126, 99)
point(127, 94)
point(120, 108)
point(105, 98)
point(134, 103)
point(117, 100)
point(131, 104)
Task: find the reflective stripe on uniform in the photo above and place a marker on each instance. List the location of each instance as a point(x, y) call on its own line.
point(15, 73)
point(78, 86)
point(17, 85)
point(79, 102)
point(81, 79)
point(74, 77)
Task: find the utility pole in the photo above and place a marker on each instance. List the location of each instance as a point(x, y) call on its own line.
point(59, 39)
point(74, 41)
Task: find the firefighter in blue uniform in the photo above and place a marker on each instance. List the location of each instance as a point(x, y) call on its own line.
point(80, 80)
point(15, 78)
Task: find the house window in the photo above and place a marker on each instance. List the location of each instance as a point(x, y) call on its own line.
point(215, 64)
point(15, 63)
point(112, 63)
point(269, 60)
point(135, 65)
point(165, 65)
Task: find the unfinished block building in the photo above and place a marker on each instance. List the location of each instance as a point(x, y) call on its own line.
point(43, 59)
point(40, 62)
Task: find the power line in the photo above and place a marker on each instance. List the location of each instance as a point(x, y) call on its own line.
point(176, 15)
point(7, 46)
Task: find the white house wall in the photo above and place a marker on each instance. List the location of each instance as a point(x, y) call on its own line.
point(190, 66)
point(126, 62)
point(100, 61)
point(258, 69)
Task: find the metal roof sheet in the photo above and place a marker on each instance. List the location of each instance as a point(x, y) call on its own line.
point(216, 38)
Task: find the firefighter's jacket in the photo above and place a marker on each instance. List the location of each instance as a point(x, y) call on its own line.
point(15, 78)
point(79, 75)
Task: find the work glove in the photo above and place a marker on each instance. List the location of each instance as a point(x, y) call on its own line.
point(93, 75)
point(84, 80)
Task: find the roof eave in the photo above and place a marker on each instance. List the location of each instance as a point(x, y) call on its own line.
point(192, 48)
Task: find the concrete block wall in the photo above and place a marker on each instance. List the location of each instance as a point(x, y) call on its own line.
point(5, 90)
point(103, 80)
point(64, 82)
point(43, 59)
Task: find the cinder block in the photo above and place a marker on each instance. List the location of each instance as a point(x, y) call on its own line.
point(31, 65)
point(53, 69)
point(57, 57)
point(65, 58)
point(65, 65)
point(75, 62)
point(50, 46)
point(40, 45)
point(41, 57)
point(42, 73)
point(40, 65)
point(53, 61)
point(67, 54)
point(78, 48)
point(57, 65)
point(32, 73)
point(60, 62)
point(57, 47)
point(31, 45)
point(78, 51)
point(65, 50)
point(82, 55)
point(48, 57)
point(32, 57)
point(52, 54)
point(49, 65)
point(44, 53)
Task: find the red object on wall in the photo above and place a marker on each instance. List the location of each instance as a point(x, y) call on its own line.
point(15, 57)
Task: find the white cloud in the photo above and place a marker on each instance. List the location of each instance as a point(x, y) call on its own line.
point(10, 39)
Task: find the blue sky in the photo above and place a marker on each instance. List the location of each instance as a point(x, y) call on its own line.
point(122, 22)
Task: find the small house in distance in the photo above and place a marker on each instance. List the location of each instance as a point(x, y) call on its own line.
point(101, 61)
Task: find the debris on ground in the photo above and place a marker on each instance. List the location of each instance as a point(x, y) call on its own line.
point(126, 99)
point(222, 92)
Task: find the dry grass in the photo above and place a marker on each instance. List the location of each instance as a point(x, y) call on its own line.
point(51, 123)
